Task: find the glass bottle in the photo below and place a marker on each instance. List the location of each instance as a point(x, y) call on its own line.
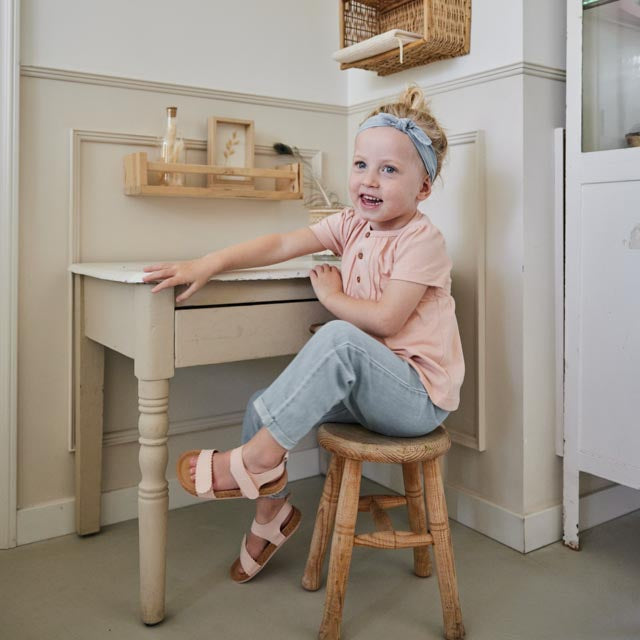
point(172, 149)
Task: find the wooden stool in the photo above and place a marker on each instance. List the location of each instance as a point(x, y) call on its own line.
point(350, 445)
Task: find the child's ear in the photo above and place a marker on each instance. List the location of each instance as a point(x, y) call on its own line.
point(425, 189)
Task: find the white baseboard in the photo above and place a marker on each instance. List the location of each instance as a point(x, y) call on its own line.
point(54, 519)
point(521, 532)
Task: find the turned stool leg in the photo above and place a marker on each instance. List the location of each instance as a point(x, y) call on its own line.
point(443, 551)
point(325, 519)
point(341, 549)
point(417, 515)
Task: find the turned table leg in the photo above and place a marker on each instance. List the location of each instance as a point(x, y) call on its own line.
point(153, 496)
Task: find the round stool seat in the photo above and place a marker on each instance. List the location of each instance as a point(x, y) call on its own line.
point(357, 443)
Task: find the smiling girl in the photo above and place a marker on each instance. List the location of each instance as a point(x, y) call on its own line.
point(391, 362)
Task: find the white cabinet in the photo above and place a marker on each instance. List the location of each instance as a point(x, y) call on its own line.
point(602, 243)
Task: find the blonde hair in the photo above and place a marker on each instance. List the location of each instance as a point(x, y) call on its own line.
point(413, 104)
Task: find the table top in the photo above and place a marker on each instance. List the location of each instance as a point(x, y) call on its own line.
point(132, 272)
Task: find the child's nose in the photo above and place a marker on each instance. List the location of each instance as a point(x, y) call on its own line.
point(370, 178)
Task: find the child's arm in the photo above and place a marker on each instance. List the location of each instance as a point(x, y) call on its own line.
point(382, 318)
point(259, 252)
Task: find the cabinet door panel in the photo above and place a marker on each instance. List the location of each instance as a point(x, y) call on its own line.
point(609, 311)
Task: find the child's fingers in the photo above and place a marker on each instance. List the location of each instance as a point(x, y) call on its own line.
point(155, 267)
point(162, 274)
point(163, 285)
point(189, 292)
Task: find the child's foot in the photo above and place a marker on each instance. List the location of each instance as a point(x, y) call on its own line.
point(267, 511)
point(269, 531)
point(221, 469)
point(255, 469)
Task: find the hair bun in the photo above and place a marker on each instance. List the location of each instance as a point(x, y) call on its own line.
point(413, 99)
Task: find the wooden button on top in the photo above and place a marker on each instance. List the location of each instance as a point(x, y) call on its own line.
point(366, 235)
point(360, 255)
point(357, 278)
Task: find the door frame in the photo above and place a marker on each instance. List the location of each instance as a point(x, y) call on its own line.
point(9, 218)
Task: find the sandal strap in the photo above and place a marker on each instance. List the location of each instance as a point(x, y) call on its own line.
point(271, 530)
point(250, 483)
point(248, 564)
point(204, 476)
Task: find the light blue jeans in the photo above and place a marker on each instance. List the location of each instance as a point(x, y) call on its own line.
point(343, 375)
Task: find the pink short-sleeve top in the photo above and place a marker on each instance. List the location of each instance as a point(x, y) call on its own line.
point(429, 341)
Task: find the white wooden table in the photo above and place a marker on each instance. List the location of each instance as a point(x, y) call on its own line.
point(241, 315)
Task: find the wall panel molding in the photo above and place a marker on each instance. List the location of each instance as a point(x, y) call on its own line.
point(482, 77)
point(466, 239)
point(178, 428)
point(78, 138)
point(118, 82)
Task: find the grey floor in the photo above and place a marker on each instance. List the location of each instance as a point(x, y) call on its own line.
point(71, 588)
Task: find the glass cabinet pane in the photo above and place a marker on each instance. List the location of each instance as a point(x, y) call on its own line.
point(610, 74)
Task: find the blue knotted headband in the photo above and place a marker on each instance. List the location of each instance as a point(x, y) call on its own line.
point(421, 141)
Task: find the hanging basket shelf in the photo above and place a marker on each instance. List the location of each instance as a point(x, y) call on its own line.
point(137, 182)
point(444, 24)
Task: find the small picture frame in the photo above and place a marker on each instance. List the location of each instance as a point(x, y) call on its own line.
point(230, 143)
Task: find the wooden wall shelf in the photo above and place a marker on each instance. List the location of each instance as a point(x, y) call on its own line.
point(444, 24)
point(288, 180)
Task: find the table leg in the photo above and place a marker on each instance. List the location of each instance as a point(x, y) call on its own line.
point(153, 496)
point(88, 377)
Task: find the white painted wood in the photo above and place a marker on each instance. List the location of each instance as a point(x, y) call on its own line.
point(601, 306)
point(558, 211)
point(109, 316)
point(88, 380)
point(131, 319)
point(218, 292)
point(153, 496)
point(132, 272)
point(230, 334)
point(9, 148)
point(154, 333)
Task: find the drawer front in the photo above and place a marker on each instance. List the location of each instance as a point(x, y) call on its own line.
point(229, 334)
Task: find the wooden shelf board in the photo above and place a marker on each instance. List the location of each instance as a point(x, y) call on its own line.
point(212, 192)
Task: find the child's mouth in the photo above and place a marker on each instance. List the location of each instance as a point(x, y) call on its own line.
point(370, 202)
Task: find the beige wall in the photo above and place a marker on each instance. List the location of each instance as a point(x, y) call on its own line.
point(248, 46)
point(74, 209)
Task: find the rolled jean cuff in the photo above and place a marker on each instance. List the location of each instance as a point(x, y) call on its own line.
point(272, 425)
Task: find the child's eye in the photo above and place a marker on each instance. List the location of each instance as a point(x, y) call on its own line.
point(359, 164)
point(389, 169)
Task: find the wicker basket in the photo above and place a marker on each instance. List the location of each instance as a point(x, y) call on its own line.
point(446, 25)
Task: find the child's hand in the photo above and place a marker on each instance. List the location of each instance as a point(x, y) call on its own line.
point(326, 280)
point(192, 272)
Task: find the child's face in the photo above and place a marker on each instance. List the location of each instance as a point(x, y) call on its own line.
point(387, 179)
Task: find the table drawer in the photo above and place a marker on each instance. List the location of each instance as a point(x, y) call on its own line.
point(228, 334)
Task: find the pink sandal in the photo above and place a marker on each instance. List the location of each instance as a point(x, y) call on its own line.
point(250, 485)
point(245, 567)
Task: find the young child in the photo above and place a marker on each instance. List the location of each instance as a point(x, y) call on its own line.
point(391, 362)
